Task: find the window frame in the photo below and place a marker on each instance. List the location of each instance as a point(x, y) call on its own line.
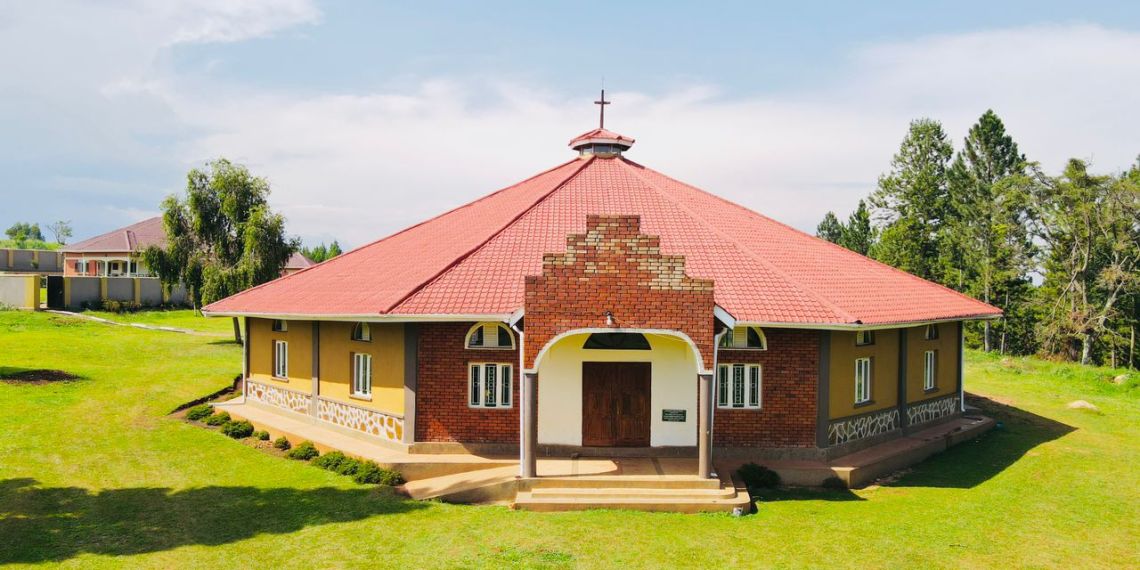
point(930, 370)
point(280, 325)
point(484, 327)
point(364, 330)
point(477, 385)
point(729, 339)
point(726, 388)
point(930, 332)
point(361, 361)
point(281, 359)
point(870, 338)
point(863, 371)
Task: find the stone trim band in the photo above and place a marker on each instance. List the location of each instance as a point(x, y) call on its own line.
point(931, 410)
point(387, 427)
point(863, 426)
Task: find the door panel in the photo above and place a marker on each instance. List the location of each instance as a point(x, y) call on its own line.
point(616, 404)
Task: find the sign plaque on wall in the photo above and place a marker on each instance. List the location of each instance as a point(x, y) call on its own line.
point(673, 415)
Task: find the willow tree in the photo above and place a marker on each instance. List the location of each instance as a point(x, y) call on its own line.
point(221, 237)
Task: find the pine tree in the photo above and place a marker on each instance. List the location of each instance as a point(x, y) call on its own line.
point(987, 250)
point(830, 229)
point(911, 201)
point(858, 234)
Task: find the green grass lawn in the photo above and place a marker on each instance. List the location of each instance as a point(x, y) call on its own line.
point(93, 473)
point(178, 318)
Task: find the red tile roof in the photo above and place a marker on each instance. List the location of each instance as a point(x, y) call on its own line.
point(601, 134)
point(472, 260)
point(133, 238)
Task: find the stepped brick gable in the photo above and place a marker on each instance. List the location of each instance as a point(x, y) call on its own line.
point(615, 268)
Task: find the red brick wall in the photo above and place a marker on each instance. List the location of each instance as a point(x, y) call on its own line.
point(614, 267)
point(442, 413)
point(787, 414)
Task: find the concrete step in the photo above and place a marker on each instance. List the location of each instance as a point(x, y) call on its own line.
point(620, 482)
point(528, 502)
point(610, 492)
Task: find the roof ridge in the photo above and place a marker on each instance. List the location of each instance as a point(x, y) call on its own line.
point(832, 245)
point(815, 295)
point(394, 234)
point(447, 268)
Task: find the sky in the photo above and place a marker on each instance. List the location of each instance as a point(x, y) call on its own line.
point(367, 117)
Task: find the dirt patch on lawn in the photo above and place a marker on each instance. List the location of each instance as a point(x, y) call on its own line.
point(37, 377)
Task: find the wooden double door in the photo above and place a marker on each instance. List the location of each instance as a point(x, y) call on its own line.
point(615, 404)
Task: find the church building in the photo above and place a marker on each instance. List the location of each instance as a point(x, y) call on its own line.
point(603, 308)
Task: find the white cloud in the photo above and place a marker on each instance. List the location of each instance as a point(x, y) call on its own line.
point(357, 166)
point(360, 166)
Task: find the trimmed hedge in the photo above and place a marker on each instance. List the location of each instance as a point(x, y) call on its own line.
point(261, 435)
point(238, 430)
point(363, 472)
point(200, 412)
point(218, 419)
point(303, 452)
point(282, 443)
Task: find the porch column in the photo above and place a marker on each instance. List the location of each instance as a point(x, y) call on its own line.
point(704, 425)
point(529, 440)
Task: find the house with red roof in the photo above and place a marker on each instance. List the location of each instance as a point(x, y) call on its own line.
point(603, 308)
point(116, 253)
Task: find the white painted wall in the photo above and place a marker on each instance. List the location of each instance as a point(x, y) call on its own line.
point(674, 386)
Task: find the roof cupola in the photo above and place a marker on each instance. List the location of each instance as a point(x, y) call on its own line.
point(601, 142)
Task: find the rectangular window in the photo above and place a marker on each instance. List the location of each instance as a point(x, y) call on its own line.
point(362, 375)
point(928, 371)
point(280, 326)
point(280, 359)
point(489, 385)
point(931, 332)
point(738, 386)
point(864, 338)
point(862, 380)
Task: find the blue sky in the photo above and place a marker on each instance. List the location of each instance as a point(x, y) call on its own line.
point(367, 117)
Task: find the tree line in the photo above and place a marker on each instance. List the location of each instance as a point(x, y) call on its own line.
point(29, 235)
point(1060, 255)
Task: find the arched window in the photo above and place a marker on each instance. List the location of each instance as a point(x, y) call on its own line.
point(490, 335)
point(362, 332)
point(750, 338)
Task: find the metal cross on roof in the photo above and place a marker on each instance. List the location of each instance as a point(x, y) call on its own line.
point(601, 103)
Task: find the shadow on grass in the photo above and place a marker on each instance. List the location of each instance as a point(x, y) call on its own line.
point(57, 523)
point(36, 376)
point(803, 494)
point(972, 463)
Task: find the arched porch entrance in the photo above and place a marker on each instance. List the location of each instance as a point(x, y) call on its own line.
point(616, 390)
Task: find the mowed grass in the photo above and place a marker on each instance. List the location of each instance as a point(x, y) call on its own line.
point(187, 319)
point(93, 473)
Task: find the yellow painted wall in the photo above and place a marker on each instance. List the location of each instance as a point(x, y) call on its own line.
point(300, 338)
point(946, 347)
point(387, 350)
point(884, 356)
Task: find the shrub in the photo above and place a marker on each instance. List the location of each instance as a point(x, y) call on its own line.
point(200, 412)
point(833, 482)
point(371, 473)
point(261, 435)
point(282, 444)
point(333, 461)
point(303, 452)
point(218, 419)
point(757, 476)
point(238, 430)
